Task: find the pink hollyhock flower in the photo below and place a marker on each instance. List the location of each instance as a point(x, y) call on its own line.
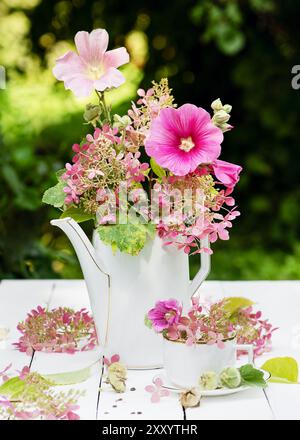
point(181, 139)
point(226, 172)
point(165, 314)
point(94, 67)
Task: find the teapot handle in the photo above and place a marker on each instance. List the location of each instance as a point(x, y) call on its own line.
point(203, 272)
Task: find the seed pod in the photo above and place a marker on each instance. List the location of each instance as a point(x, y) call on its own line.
point(230, 378)
point(209, 381)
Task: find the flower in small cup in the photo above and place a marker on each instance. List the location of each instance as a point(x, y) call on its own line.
point(215, 338)
point(157, 391)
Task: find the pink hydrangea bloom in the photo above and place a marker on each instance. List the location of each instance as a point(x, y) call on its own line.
point(226, 172)
point(181, 139)
point(165, 314)
point(94, 67)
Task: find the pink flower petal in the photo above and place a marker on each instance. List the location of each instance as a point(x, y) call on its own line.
point(81, 86)
point(68, 66)
point(91, 47)
point(158, 382)
point(150, 388)
point(111, 78)
point(115, 358)
point(116, 57)
point(155, 398)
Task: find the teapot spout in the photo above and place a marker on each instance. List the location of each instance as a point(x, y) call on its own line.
point(96, 277)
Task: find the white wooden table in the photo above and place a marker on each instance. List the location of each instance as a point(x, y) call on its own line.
point(279, 301)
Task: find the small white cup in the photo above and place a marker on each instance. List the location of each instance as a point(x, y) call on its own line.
point(185, 364)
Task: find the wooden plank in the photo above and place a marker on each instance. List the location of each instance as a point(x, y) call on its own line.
point(280, 302)
point(135, 403)
point(248, 405)
point(73, 294)
point(17, 298)
point(284, 399)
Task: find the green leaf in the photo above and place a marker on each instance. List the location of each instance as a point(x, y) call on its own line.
point(252, 377)
point(55, 195)
point(59, 173)
point(282, 370)
point(12, 388)
point(234, 304)
point(147, 322)
point(79, 215)
point(129, 238)
point(157, 169)
point(71, 377)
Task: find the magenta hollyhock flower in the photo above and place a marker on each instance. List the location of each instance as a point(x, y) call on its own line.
point(94, 67)
point(165, 314)
point(226, 172)
point(181, 139)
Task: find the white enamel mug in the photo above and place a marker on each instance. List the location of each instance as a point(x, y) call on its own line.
point(185, 364)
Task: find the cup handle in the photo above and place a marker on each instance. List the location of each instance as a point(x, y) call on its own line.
point(249, 349)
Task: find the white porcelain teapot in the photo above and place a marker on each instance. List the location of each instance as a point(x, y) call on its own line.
point(123, 288)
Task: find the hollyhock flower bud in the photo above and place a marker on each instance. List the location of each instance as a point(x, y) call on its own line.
point(227, 108)
point(230, 378)
point(220, 117)
point(121, 121)
point(217, 105)
point(92, 113)
point(190, 398)
point(226, 172)
point(209, 381)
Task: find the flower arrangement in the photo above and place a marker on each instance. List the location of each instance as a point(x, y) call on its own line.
point(212, 323)
point(60, 330)
point(157, 153)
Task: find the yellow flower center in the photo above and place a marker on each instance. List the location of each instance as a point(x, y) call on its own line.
point(186, 144)
point(95, 72)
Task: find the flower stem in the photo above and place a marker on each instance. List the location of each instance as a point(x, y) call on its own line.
point(101, 96)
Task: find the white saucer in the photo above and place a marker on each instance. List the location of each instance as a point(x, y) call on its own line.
point(168, 385)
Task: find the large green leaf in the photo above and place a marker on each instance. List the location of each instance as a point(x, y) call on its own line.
point(70, 378)
point(55, 195)
point(282, 370)
point(129, 238)
point(234, 304)
point(77, 214)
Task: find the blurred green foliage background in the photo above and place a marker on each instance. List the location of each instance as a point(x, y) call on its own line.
point(239, 50)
